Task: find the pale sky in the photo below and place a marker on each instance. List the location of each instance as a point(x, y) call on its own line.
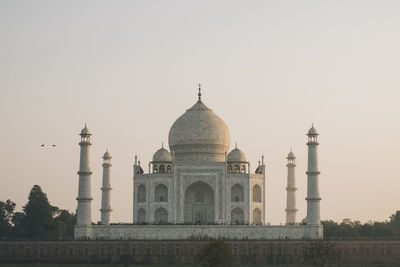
point(268, 68)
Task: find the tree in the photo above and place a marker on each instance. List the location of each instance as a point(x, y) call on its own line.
point(395, 218)
point(330, 229)
point(38, 220)
point(6, 216)
point(320, 252)
point(395, 222)
point(217, 253)
point(64, 224)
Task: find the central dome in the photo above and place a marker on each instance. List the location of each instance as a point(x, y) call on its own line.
point(199, 135)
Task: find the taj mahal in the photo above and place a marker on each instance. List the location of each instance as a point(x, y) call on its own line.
point(198, 188)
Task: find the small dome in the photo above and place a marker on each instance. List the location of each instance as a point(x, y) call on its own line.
point(291, 155)
point(236, 155)
point(312, 131)
point(85, 131)
point(162, 155)
point(107, 155)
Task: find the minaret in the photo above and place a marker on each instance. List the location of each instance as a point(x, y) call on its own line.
point(291, 190)
point(84, 217)
point(313, 198)
point(106, 190)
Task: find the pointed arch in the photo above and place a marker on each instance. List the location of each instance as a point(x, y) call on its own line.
point(237, 216)
point(199, 203)
point(236, 169)
point(257, 193)
point(230, 169)
point(141, 194)
point(237, 193)
point(161, 216)
point(257, 216)
point(141, 216)
point(161, 193)
point(243, 168)
point(162, 168)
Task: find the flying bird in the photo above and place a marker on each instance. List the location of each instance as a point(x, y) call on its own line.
point(42, 145)
point(54, 145)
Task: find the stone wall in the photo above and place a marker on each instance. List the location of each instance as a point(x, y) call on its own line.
point(187, 251)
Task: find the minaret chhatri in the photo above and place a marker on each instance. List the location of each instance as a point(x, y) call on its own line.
point(313, 198)
point(106, 190)
point(291, 190)
point(84, 198)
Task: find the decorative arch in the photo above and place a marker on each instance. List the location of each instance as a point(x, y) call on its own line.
point(230, 169)
point(161, 193)
point(236, 169)
point(237, 216)
point(257, 193)
point(141, 196)
point(257, 216)
point(169, 169)
point(141, 216)
point(199, 205)
point(237, 193)
point(162, 168)
point(243, 168)
point(161, 216)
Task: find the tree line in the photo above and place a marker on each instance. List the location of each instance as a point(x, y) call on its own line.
point(38, 221)
point(348, 229)
point(41, 221)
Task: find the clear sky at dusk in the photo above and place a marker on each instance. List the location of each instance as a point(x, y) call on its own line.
point(268, 68)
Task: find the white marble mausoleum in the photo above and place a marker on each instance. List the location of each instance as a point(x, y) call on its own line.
point(199, 187)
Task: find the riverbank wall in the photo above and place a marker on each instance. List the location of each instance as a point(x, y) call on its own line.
point(187, 251)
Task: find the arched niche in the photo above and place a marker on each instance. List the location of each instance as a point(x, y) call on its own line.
point(141, 216)
point(161, 193)
point(141, 194)
point(161, 216)
point(237, 216)
point(237, 193)
point(257, 216)
point(257, 193)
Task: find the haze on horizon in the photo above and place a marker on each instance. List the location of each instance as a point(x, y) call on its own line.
point(268, 68)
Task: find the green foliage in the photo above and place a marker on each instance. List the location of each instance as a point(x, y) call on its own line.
point(320, 252)
point(6, 215)
point(349, 229)
point(217, 253)
point(39, 219)
point(64, 225)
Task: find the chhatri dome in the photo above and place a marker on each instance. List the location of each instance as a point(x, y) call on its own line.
point(236, 155)
point(162, 155)
point(107, 155)
point(199, 135)
point(85, 131)
point(312, 131)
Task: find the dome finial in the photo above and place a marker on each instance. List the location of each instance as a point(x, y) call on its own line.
point(236, 145)
point(199, 94)
point(162, 144)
